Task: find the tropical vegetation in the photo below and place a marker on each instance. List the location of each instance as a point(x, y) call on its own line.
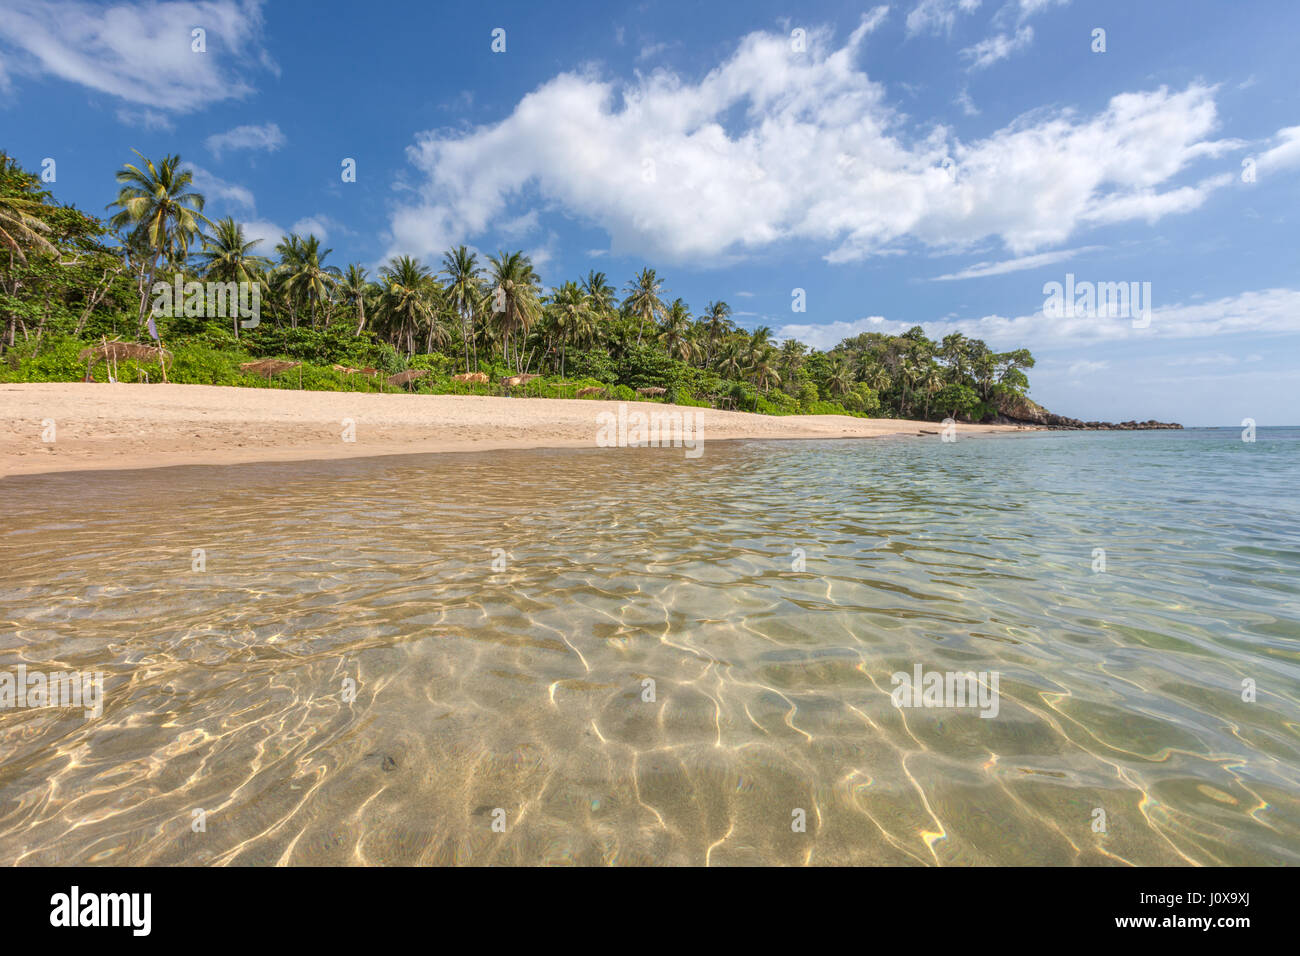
point(69, 279)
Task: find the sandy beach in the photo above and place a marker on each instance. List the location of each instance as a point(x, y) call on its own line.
point(100, 426)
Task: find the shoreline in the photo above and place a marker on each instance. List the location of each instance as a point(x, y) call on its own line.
point(126, 426)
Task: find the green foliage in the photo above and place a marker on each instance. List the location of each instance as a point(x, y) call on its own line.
point(75, 283)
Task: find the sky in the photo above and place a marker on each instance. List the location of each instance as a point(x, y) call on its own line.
point(825, 168)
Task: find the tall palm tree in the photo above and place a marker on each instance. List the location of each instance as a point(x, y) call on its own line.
point(353, 288)
point(643, 299)
point(306, 277)
point(164, 213)
point(227, 257)
point(460, 266)
point(407, 302)
point(600, 292)
point(717, 323)
point(675, 336)
point(514, 299)
point(571, 317)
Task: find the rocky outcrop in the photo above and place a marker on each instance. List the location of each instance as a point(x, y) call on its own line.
point(1018, 410)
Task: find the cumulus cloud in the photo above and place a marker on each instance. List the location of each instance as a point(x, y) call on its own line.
point(1285, 155)
point(138, 52)
point(265, 137)
point(773, 147)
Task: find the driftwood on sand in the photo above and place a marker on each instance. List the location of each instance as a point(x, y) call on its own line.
point(478, 378)
point(268, 367)
point(405, 378)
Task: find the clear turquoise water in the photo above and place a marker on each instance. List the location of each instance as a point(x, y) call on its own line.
point(521, 689)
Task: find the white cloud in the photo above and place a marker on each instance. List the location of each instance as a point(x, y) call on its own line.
point(214, 187)
point(1285, 155)
point(1265, 312)
point(967, 104)
point(318, 226)
point(267, 137)
point(138, 52)
point(1027, 8)
point(997, 47)
point(983, 269)
point(1085, 367)
point(269, 233)
point(772, 147)
point(938, 16)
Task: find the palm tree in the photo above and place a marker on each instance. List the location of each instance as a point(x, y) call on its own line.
point(353, 287)
point(227, 257)
point(164, 213)
point(571, 317)
point(302, 263)
point(643, 299)
point(407, 302)
point(717, 323)
point(675, 336)
point(600, 292)
point(839, 377)
point(460, 266)
point(514, 298)
point(18, 225)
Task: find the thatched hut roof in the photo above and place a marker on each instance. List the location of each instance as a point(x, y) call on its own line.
point(591, 390)
point(349, 370)
point(653, 390)
point(119, 351)
point(510, 381)
point(268, 367)
point(403, 378)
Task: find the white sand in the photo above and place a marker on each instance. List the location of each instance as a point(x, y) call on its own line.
point(139, 426)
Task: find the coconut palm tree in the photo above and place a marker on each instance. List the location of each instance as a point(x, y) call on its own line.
point(717, 323)
point(461, 269)
point(839, 377)
point(163, 212)
point(643, 299)
point(407, 303)
point(19, 225)
point(571, 317)
point(353, 289)
point(675, 335)
point(227, 257)
point(306, 277)
point(514, 299)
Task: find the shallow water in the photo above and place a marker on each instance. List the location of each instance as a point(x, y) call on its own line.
point(509, 686)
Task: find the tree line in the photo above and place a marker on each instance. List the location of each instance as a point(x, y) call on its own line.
point(72, 275)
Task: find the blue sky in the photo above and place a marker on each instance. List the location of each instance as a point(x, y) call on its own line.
point(931, 162)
